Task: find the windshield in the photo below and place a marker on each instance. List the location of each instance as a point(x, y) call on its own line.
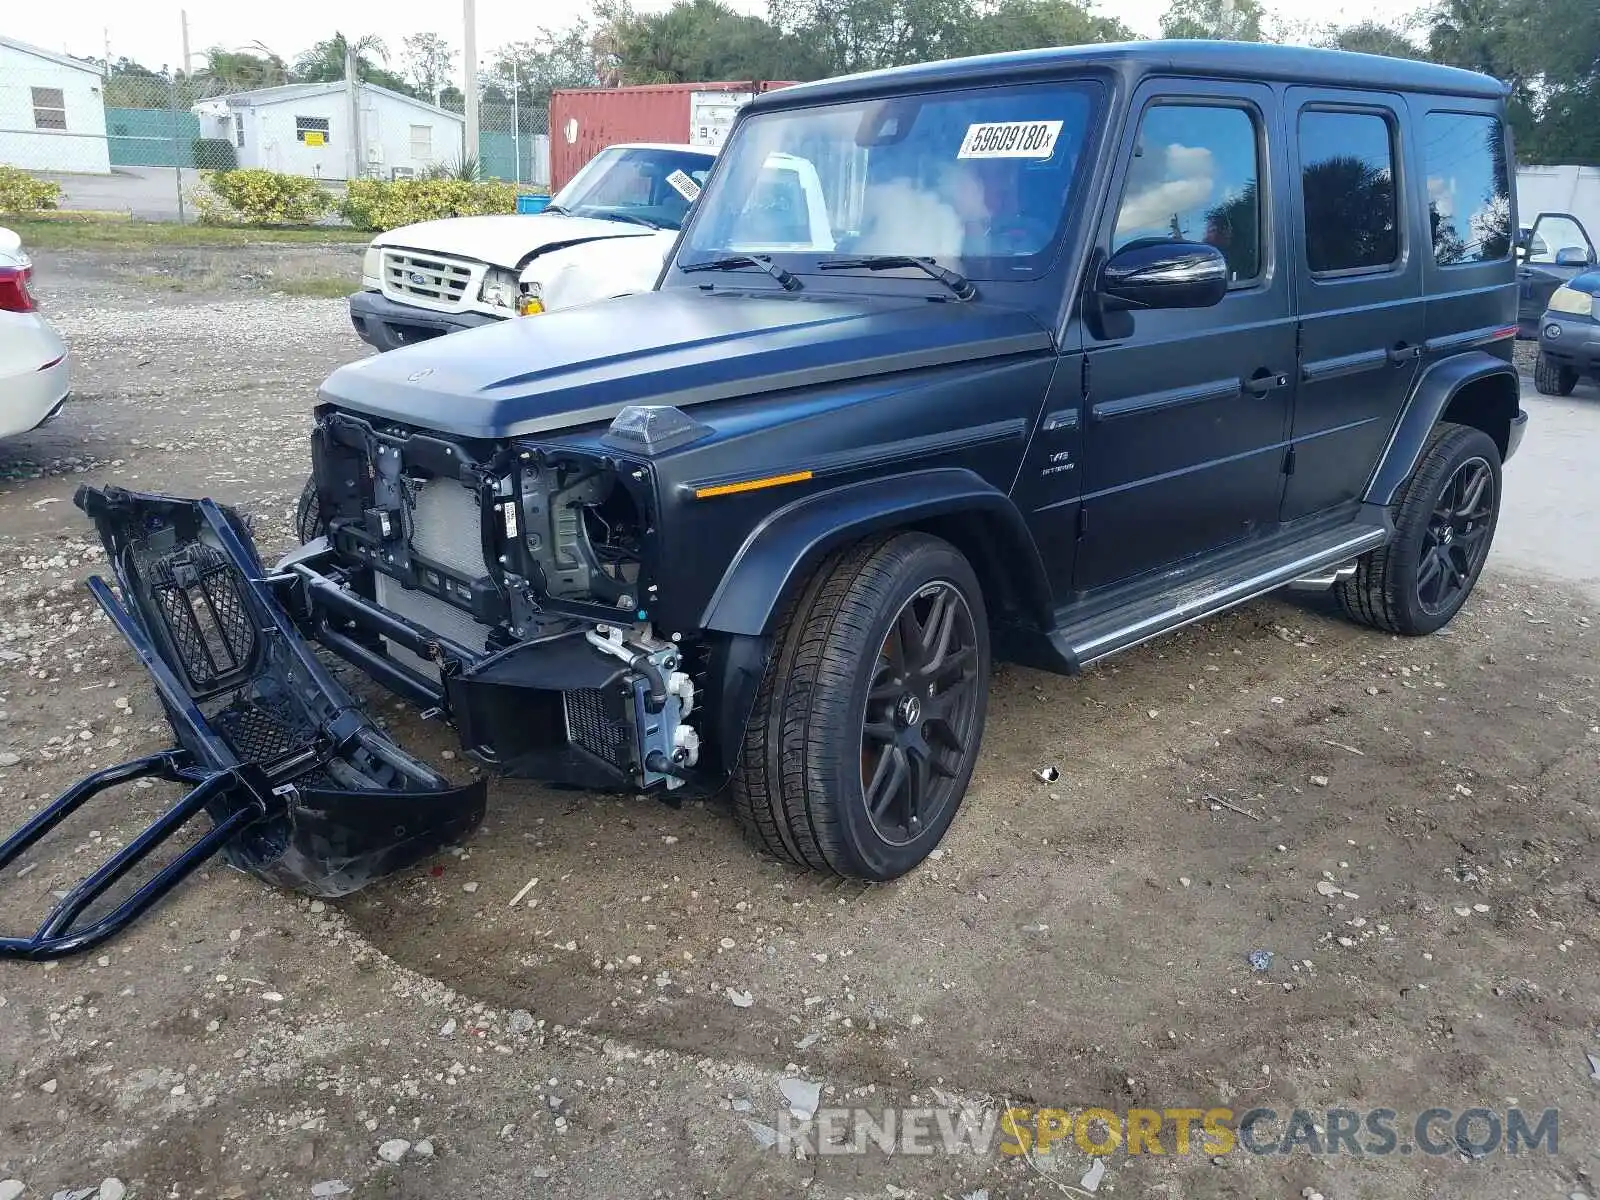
point(976, 179)
point(632, 184)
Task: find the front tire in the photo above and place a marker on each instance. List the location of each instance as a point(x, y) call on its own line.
point(308, 524)
point(1551, 379)
point(1445, 518)
point(869, 717)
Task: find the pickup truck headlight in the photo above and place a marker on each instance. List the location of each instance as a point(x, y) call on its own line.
point(372, 267)
point(1570, 300)
point(499, 289)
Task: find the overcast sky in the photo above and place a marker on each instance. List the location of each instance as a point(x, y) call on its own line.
point(149, 30)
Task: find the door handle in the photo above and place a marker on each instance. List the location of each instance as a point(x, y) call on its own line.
point(1264, 381)
point(1402, 352)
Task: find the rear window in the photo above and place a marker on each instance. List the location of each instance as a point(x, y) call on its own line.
point(1469, 187)
point(1348, 180)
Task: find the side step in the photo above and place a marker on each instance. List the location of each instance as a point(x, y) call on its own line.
point(1178, 601)
point(301, 787)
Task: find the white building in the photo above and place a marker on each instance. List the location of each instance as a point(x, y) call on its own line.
point(1564, 189)
point(306, 129)
point(52, 111)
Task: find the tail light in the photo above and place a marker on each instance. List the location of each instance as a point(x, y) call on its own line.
point(14, 293)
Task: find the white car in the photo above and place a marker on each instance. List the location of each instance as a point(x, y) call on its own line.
point(606, 233)
point(34, 366)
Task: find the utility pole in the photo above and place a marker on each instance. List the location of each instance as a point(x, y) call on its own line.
point(108, 51)
point(183, 16)
point(470, 55)
point(352, 89)
point(516, 123)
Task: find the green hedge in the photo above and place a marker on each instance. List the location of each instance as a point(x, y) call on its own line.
point(374, 204)
point(22, 193)
point(252, 196)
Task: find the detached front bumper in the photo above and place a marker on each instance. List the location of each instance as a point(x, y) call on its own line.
point(387, 325)
point(1571, 341)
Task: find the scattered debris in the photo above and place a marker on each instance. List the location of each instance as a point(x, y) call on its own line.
point(469, 888)
point(447, 1028)
point(526, 888)
point(1342, 746)
point(766, 1136)
point(740, 999)
point(1327, 888)
point(1319, 781)
point(329, 1187)
point(111, 1189)
point(520, 1021)
point(1221, 803)
point(1092, 1177)
point(48, 1087)
point(1260, 960)
point(801, 1095)
point(1047, 774)
point(1594, 1066)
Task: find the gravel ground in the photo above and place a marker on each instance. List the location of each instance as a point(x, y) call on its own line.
point(598, 997)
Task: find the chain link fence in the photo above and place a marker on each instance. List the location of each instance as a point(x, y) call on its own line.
point(134, 143)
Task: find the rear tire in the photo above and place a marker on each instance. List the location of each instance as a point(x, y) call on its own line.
point(1550, 379)
point(877, 688)
point(1445, 518)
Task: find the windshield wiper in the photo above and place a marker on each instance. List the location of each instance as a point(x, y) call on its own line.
point(557, 209)
point(734, 261)
point(630, 217)
point(954, 280)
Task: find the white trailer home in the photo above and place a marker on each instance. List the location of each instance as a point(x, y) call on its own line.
point(310, 129)
point(52, 112)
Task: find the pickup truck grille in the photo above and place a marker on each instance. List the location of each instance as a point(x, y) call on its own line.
point(434, 281)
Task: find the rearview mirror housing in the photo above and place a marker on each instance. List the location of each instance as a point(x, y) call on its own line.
point(1165, 274)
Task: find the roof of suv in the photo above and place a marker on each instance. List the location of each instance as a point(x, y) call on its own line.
point(1132, 60)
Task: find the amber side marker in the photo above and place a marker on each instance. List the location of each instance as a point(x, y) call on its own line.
point(750, 485)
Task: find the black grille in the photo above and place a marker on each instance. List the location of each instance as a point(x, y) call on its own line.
point(591, 727)
point(196, 591)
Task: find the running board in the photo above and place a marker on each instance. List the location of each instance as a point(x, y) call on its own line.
point(1312, 561)
point(301, 787)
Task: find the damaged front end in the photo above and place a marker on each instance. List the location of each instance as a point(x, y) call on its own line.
point(301, 787)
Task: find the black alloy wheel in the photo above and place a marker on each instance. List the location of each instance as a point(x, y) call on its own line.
point(920, 715)
point(1457, 537)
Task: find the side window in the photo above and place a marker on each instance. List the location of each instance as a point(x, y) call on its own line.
point(1196, 176)
point(1469, 187)
point(1348, 180)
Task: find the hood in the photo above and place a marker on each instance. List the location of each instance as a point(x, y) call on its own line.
point(599, 270)
point(505, 240)
point(680, 346)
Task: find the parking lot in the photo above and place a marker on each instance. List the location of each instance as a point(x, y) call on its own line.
point(1407, 828)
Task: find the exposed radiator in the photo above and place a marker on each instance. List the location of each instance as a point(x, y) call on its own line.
point(445, 529)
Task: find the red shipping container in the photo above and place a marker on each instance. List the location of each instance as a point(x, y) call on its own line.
point(584, 121)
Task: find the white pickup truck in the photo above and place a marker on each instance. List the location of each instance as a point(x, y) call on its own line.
point(605, 234)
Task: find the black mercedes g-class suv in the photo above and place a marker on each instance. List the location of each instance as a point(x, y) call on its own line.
point(1097, 342)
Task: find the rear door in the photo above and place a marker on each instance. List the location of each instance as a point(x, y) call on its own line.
point(1358, 289)
point(1187, 409)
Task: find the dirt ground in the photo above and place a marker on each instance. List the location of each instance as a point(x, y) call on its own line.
point(1408, 827)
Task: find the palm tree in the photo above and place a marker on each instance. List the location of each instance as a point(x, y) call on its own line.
point(325, 61)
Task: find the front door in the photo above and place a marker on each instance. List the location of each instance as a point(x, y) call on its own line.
point(1359, 279)
point(1187, 409)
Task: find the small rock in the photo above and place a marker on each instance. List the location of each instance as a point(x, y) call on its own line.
point(1594, 1066)
point(213, 1026)
point(10, 1189)
point(1461, 910)
point(520, 1021)
point(469, 888)
point(111, 1189)
point(1092, 1177)
point(727, 943)
point(393, 1150)
point(329, 1187)
point(1324, 888)
point(766, 1136)
point(1319, 781)
point(317, 906)
point(740, 999)
point(423, 1149)
point(75, 1193)
point(48, 1087)
point(272, 997)
point(448, 1028)
point(1260, 960)
point(801, 1095)
point(1480, 908)
point(1185, 880)
point(8, 759)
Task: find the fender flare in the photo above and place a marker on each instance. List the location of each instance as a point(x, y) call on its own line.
point(1430, 397)
point(784, 548)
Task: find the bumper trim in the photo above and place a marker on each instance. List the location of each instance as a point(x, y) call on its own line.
point(387, 325)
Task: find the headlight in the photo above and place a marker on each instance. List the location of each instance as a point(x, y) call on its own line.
point(1570, 300)
point(499, 289)
point(531, 302)
point(372, 265)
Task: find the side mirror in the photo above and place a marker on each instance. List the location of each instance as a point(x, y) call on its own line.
point(1572, 256)
point(1164, 274)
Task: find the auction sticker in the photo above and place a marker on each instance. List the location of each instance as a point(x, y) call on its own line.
point(1010, 139)
point(684, 186)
